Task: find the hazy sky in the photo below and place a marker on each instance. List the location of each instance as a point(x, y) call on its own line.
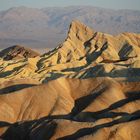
point(113, 4)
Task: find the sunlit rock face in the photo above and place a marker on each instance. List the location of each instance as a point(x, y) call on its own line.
point(86, 88)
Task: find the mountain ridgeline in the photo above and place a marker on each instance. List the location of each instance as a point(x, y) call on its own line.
point(86, 88)
point(44, 28)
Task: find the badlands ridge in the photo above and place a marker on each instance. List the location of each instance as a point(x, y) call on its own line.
point(87, 88)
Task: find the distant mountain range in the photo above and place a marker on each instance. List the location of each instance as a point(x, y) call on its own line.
point(47, 27)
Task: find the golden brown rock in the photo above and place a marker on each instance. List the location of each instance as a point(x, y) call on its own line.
point(17, 52)
point(87, 88)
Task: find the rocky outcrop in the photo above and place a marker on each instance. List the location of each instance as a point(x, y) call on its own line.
point(86, 88)
point(17, 52)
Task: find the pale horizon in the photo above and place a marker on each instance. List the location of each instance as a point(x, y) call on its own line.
point(109, 4)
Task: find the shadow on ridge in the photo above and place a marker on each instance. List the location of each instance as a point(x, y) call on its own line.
point(7, 73)
point(14, 88)
point(27, 130)
point(82, 103)
point(107, 113)
point(44, 128)
point(90, 131)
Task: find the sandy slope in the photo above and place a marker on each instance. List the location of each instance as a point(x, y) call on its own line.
point(86, 88)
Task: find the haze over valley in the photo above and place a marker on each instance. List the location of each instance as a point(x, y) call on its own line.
point(47, 27)
point(69, 72)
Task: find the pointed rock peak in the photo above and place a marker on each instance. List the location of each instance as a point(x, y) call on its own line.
point(80, 31)
point(75, 24)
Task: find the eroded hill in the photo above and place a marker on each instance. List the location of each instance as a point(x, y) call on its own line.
point(86, 88)
point(85, 53)
point(17, 52)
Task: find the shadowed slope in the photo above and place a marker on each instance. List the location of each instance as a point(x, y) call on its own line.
point(97, 98)
point(17, 52)
point(85, 53)
point(99, 103)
